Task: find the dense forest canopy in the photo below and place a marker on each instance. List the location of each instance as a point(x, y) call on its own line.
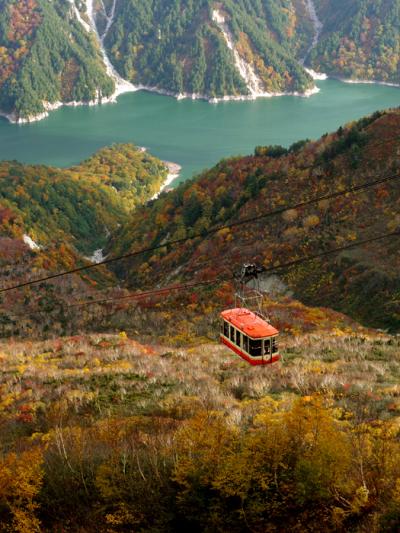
point(81, 205)
point(100, 204)
point(144, 446)
point(50, 51)
point(47, 56)
point(176, 45)
point(360, 39)
point(53, 219)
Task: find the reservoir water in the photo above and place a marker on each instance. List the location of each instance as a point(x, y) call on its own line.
point(194, 134)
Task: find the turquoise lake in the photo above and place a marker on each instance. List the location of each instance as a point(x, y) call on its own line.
point(194, 134)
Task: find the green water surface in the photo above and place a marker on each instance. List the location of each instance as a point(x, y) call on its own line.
point(194, 134)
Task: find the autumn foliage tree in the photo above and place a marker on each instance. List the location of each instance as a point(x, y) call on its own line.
point(21, 478)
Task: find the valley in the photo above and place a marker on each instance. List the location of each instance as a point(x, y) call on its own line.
point(118, 409)
point(364, 284)
point(152, 154)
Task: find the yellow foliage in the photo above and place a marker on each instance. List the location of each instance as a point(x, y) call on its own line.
point(21, 368)
point(338, 332)
point(311, 221)
point(104, 482)
point(360, 499)
point(21, 478)
point(122, 517)
point(223, 233)
point(396, 492)
point(202, 443)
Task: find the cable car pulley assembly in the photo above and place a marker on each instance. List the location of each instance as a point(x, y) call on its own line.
point(245, 329)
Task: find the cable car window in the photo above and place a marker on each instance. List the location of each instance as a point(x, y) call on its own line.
point(232, 333)
point(274, 345)
point(238, 339)
point(267, 347)
point(245, 343)
point(255, 347)
point(226, 329)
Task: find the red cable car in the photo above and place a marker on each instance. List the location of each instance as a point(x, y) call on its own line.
point(248, 335)
point(245, 332)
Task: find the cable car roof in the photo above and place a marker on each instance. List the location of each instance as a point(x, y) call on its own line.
point(248, 322)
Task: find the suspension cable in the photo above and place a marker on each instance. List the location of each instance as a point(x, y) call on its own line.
point(351, 190)
point(214, 281)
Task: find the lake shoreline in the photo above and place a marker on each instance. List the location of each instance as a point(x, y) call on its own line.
point(174, 171)
point(191, 133)
point(366, 82)
point(12, 119)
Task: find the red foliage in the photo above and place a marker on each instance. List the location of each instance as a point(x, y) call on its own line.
point(25, 414)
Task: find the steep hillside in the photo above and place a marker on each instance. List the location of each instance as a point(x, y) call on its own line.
point(363, 282)
point(104, 433)
point(47, 56)
point(210, 48)
point(81, 205)
point(51, 218)
point(359, 40)
point(88, 51)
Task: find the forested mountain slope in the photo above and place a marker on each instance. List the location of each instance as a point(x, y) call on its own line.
point(360, 39)
point(80, 205)
point(51, 218)
point(104, 433)
point(139, 420)
point(54, 52)
point(363, 282)
point(211, 48)
point(47, 56)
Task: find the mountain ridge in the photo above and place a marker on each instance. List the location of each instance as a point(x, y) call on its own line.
point(363, 283)
point(272, 177)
